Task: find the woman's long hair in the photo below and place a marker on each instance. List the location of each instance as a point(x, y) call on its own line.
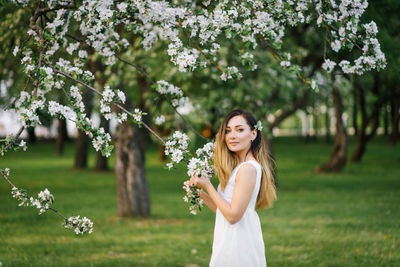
point(225, 160)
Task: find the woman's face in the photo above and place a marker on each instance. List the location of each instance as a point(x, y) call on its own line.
point(238, 135)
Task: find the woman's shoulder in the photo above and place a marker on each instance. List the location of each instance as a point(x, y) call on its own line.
point(249, 167)
point(252, 162)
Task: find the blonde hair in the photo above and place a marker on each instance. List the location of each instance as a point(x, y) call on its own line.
point(225, 160)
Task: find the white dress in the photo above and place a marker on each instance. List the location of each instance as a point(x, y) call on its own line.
point(240, 244)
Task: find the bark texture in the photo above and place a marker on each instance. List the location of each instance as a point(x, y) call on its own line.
point(395, 110)
point(339, 154)
point(62, 136)
point(132, 187)
point(31, 135)
point(373, 119)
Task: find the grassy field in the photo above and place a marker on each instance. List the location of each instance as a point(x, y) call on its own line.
point(347, 219)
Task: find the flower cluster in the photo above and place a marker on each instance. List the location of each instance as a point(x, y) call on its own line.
point(202, 166)
point(110, 96)
point(258, 126)
point(346, 32)
point(43, 202)
point(80, 225)
point(56, 109)
point(192, 197)
point(22, 197)
point(45, 199)
point(137, 116)
point(176, 146)
point(173, 93)
point(27, 107)
point(159, 120)
point(10, 143)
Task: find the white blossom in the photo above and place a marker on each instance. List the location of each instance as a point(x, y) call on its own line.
point(15, 51)
point(159, 120)
point(328, 65)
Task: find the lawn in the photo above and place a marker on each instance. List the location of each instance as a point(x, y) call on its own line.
point(347, 219)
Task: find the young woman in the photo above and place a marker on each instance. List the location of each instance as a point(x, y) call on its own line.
point(246, 175)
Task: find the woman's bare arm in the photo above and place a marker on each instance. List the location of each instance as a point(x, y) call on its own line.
point(244, 186)
point(208, 201)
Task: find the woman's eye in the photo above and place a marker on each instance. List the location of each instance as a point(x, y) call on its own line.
point(240, 130)
point(227, 131)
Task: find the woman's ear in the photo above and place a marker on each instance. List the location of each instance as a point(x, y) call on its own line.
point(254, 133)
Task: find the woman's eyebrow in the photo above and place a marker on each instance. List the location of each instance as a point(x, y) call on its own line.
point(235, 126)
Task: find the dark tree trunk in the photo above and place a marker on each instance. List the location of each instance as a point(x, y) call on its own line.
point(81, 153)
point(82, 141)
point(132, 188)
point(327, 124)
point(315, 123)
point(395, 110)
point(339, 154)
point(307, 137)
point(31, 135)
point(161, 153)
point(101, 161)
point(385, 120)
point(62, 136)
point(363, 137)
point(354, 119)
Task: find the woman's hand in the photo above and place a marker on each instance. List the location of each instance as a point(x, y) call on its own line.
point(188, 183)
point(200, 181)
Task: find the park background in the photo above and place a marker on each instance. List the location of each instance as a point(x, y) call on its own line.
point(336, 151)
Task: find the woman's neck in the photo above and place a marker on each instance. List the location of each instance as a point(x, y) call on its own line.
point(245, 157)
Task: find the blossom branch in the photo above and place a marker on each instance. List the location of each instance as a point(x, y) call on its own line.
point(14, 139)
point(43, 202)
point(99, 93)
point(5, 177)
point(141, 70)
point(333, 27)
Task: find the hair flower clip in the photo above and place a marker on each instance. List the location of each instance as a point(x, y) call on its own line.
point(258, 126)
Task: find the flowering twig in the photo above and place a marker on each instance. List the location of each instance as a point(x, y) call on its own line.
point(43, 202)
point(99, 93)
point(141, 70)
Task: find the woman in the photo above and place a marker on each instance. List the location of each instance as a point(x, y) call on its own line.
point(245, 172)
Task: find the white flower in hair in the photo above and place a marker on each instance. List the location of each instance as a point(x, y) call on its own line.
point(258, 126)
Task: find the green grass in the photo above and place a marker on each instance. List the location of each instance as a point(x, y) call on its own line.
point(347, 219)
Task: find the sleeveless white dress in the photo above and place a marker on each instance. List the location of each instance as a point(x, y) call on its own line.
point(240, 244)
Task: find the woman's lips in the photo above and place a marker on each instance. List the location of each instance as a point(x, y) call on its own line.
point(234, 143)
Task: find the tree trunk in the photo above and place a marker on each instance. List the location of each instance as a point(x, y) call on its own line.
point(327, 124)
point(31, 135)
point(362, 136)
point(315, 122)
point(339, 154)
point(81, 153)
point(82, 141)
point(395, 110)
point(354, 119)
point(132, 188)
point(62, 136)
point(101, 161)
point(385, 120)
